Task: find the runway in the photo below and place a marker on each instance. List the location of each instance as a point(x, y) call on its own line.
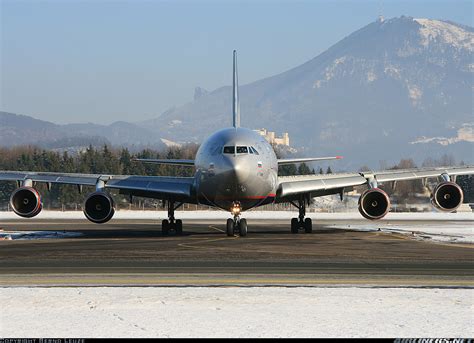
point(134, 253)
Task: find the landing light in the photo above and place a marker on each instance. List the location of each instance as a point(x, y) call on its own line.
point(235, 209)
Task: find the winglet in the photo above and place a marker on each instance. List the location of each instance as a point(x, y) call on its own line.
point(235, 95)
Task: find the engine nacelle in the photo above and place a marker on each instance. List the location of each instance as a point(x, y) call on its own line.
point(374, 204)
point(447, 196)
point(99, 207)
point(26, 202)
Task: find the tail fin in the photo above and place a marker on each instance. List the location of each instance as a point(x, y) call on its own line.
point(235, 95)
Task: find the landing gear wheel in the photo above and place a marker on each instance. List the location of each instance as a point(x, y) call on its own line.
point(294, 225)
point(230, 227)
point(243, 227)
point(165, 227)
point(308, 225)
point(179, 226)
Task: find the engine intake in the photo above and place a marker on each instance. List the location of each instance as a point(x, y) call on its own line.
point(99, 207)
point(26, 202)
point(447, 196)
point(374, 204)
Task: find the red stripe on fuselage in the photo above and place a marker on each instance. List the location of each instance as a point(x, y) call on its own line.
point(259, 196)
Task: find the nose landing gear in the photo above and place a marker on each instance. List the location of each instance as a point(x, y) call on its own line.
point(301, 223)
point(237, 224)
point(171, 223)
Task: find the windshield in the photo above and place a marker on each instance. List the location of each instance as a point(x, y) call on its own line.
point(229, 149)
point(242, 150)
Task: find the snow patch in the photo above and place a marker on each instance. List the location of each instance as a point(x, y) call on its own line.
point(436, 30)
point(415, 93)
point(465, 133)
point(330, 71)
point(175, 122)
point(26, 235)
point(371, 76)
point(169, 143)
point(235, 312)
point(449, 232)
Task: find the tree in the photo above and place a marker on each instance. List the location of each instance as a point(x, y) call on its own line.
point(303, 169)
point(287, 170)
point(466, 182)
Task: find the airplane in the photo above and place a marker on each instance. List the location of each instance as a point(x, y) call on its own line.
point(236, 169)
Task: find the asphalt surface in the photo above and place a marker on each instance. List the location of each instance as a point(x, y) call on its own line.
point(134, 253)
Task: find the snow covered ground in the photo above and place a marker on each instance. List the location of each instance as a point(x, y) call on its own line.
point(431, 226)
point(22, 235)
point(217, 214)
point(236, 312)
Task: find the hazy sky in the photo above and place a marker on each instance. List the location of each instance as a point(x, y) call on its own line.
point(102, 61)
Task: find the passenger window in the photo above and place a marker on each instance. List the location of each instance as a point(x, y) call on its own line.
point(242, 150)
point(229, 149)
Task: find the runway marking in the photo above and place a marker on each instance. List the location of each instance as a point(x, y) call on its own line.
point(194, 246)
point(215, 228)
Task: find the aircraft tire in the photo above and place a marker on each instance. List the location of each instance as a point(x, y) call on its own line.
point(230, 227)
point(243, 227)
point(308, 225)
point(165, 227)
point(179, 226)
point(294, 225)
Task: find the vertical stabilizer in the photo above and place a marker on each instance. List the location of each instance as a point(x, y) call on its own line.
point(235, 95)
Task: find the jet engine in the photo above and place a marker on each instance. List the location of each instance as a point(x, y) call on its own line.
point(447, 196)
point(99, 207)
point(374, 204)
point(26, 202)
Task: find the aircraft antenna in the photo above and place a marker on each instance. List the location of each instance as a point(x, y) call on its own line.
point(235, 95)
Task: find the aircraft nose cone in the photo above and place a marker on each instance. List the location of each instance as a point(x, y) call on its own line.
point(241, 171)
point(238, 169)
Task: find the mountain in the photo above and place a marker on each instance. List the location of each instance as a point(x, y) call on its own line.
point(19, 129)
point(395, 88)
point(119, 133)
point(22, 130)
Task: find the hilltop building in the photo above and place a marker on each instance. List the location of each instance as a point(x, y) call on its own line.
point(272, 139)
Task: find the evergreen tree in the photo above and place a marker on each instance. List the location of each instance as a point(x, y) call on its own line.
point(303, 169)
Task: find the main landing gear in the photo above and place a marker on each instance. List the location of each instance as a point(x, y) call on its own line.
point(237, 224)
point(301, 223)
point(171, 223)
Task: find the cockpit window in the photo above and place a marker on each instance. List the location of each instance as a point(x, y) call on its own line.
point(229, 149)
point(254, 150)
point(242, 150)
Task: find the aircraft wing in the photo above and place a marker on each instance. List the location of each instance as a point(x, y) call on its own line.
point(166, 161)
point(306, 159)
point(160, 187)
point(292, 187)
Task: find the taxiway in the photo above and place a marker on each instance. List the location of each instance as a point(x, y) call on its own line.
point(134, 253)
